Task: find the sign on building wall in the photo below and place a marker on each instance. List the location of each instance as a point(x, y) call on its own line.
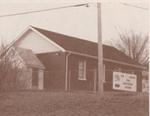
point(124, 81)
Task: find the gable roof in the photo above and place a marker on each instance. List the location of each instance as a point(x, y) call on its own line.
point(71, 43)
point(29, 58)
point(85, 47)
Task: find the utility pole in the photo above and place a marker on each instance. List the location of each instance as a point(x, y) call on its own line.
point(100, 50)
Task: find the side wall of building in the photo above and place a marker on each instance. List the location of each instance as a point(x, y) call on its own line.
point(55, 73)
point(91, 73)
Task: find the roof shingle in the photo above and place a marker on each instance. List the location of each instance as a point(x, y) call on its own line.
point(86, 47)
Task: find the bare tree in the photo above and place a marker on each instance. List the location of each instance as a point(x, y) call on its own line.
point(134, 45)
point(9, 68)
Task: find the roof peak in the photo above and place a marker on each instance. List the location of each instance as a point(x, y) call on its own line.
point(37, 28)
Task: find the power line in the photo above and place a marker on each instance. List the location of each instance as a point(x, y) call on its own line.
point(135, 6)
point(43, 10)
point(63, 7)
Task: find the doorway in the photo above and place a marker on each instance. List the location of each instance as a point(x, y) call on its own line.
point(35, 78)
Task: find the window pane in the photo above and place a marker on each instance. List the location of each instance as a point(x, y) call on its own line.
point(82, 70)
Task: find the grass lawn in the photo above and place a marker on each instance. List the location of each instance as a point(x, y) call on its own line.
point(38, 103)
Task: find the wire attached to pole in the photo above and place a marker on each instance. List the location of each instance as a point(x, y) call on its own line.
point(44, 10)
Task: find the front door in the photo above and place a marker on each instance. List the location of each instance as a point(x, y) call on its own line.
point(35, 78)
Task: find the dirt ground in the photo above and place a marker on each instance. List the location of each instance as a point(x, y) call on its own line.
point(36, 103)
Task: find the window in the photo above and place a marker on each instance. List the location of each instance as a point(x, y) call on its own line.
point(82, 70)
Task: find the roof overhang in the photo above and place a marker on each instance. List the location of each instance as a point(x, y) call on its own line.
point(108, 60)
point(124, 63)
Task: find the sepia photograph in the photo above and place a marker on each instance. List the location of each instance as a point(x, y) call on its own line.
point(78, 58)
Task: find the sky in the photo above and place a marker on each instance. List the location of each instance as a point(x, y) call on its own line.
point(79, 22)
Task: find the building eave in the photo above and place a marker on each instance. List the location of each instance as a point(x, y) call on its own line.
point(107, 60)
point(124, 63)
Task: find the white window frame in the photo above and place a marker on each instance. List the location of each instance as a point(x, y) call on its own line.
point(82, 70)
